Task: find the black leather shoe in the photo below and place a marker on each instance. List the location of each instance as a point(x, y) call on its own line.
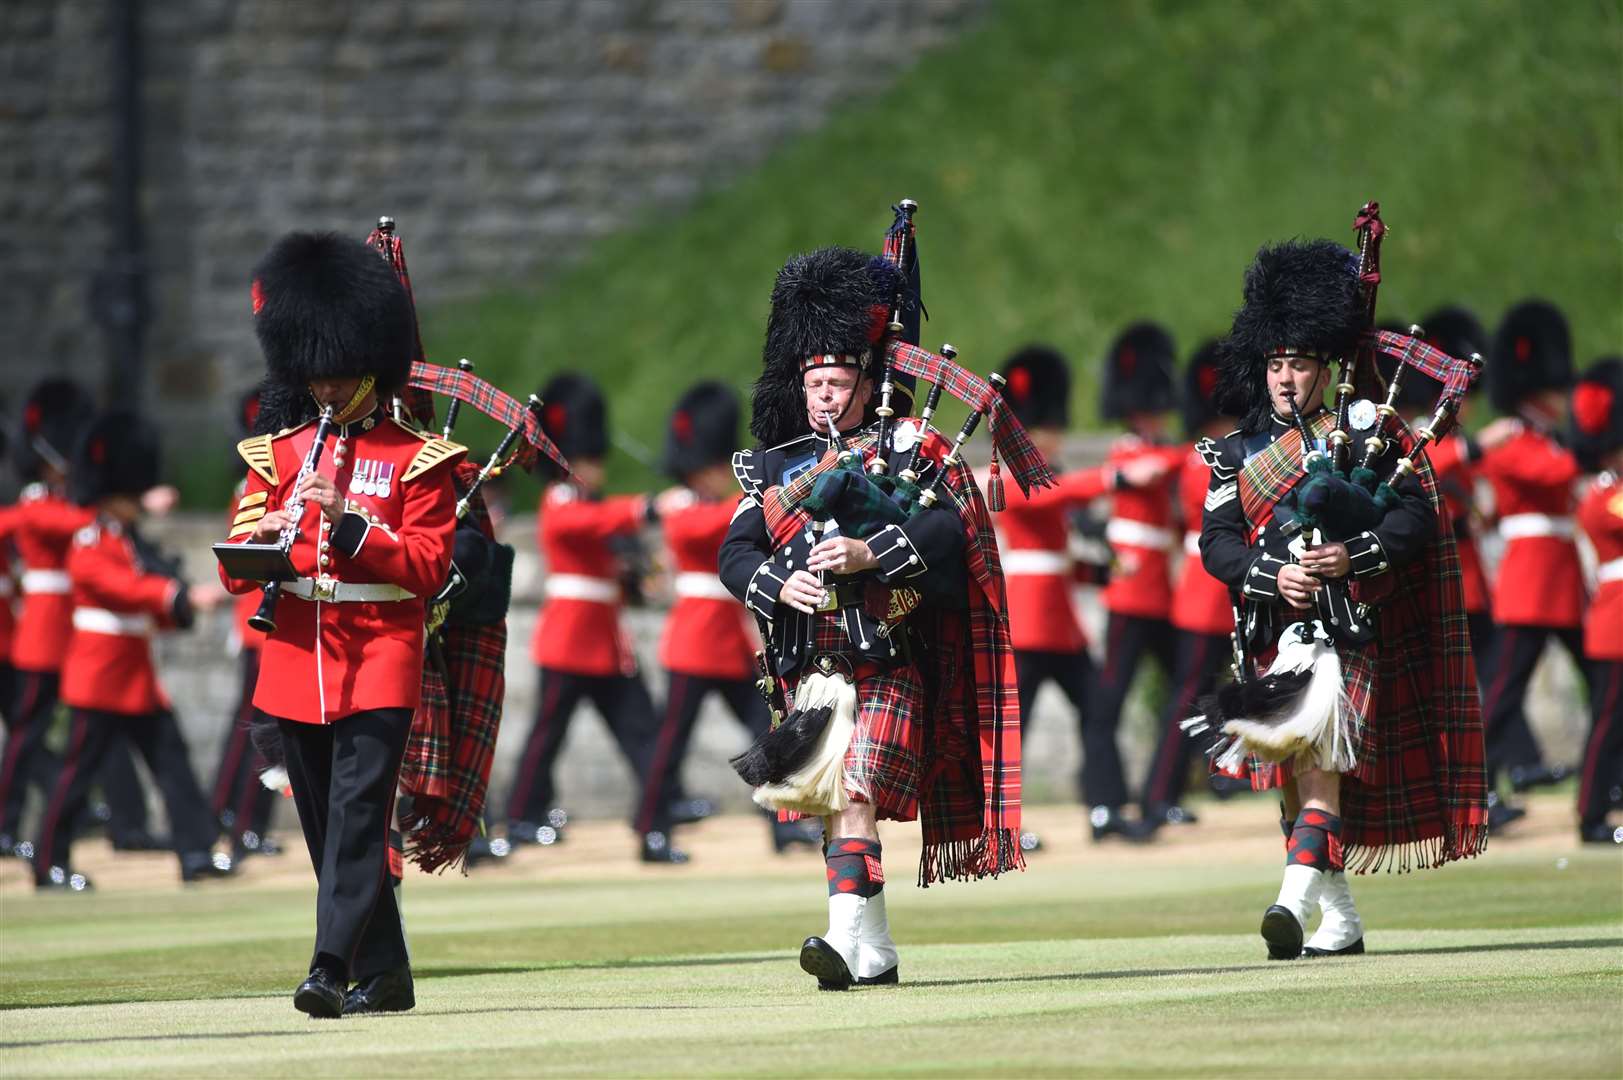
point(140, 840)
point(62, 879)
point(486, 850)
point(8, 843)
point(1282, 933)
point(1226, 787)
point(1501, 813)
point(1169, 814)
point(205, 866)
point(1355, 949)
point(1526, 777)
point(389, 992)
point(807, 832)
point(320, 996)
point(687, 811)
point(888, 977)
point(1107, 821)
point(1598, 832)
point(533, 832)
point(819, 958)
point(249, 842)
point(1030, 841)
point(656, 848)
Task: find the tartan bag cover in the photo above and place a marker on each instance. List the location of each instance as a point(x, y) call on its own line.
point(1418, 797)
point(969, 800)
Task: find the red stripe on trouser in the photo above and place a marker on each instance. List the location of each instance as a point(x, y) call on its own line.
point(1186, 700)
point(231, 765)
point(675, 694)
point(1603, 724)
point(46, 856)
point(1503, 647)
point(14, 740)
point(538, 738)
point(1113, 632)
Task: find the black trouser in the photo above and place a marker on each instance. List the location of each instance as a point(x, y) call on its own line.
point(627, 709)
point(238, 793)
point(1100, 778)
point(1127, 639)
point(92, 735)
point(683, 697)
point(1603, 752)
point(343, 777)
point(1201, 659)
point(1510, 742)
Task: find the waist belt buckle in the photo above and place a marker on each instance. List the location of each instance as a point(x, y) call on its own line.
point(325, 588)
point(831, 599)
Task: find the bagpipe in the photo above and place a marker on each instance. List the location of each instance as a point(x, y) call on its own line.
point(1299, 706)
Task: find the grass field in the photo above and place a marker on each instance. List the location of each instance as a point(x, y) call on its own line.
point(1098, 960)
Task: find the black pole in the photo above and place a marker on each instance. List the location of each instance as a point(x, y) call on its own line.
point(118, 298)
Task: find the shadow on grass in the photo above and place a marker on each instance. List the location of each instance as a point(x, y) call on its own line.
point(603, 965)
point(199, 1037)
point(1152, 973)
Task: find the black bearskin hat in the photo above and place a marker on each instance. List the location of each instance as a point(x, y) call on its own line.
point(1038, 386)
point(1597, 413)
point(703, 428)
point(54, 415)
point(574, 415)
point(832, 302)
point(1299, 294)
point(118, 454)
point(1456, 331)
point(1200, 388)
point(1417, 393)
point(248, 411)
point(1139, 374)
point(1532, 351)
point(329, 307)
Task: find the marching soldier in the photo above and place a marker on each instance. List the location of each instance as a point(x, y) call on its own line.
point(707, 645)
point(1201, 610)
point(1597, 422)
point(580, 647)
point(889, 640)
point(122, 591)
point(1539, 591)
point(241, 803)
point(1139, 392)
point(341, 668)
point(1048, 638)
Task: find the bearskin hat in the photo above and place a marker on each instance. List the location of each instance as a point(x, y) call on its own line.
point(1597, 413)
point(248, 411)
point(575, 416)
point(118, 454)
point(1456, 331)
point(329, 307)
point(1038, 386)
point(833, 302)
point(1299, 294)
point(54, 415)
point(1200, 388)
point(703, 428)
point(1139, 373)
point(1532, 351)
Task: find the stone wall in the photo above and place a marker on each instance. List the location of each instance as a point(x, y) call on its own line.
point(503, 134)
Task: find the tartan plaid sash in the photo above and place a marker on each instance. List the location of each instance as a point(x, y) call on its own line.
point(446, 769)
point(969, 799)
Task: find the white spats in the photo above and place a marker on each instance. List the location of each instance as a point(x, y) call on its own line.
point(859, 930)
point(1299, 892)
point(818, 787)
point(1341, 926)
point(845, 928)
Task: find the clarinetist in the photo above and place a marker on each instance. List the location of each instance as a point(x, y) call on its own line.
point(342, 668)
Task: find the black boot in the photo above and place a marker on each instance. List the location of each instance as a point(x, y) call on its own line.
point(1107, 821)
point(391, 991)
point(656, 848)
point(320, 995)
point(806, 832)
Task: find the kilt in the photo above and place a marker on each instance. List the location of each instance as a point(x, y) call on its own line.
point(885, 760)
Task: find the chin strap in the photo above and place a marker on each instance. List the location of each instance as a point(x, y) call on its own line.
point(362, 389)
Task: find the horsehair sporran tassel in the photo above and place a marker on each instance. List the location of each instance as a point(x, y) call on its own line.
point(819, 785)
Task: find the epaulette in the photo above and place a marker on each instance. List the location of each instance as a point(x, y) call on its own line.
point(747, 471)
point(431, 453)
point(257, 452)
point(250, 508)
point(1211, 452)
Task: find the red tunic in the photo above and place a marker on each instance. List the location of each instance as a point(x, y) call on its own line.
point(707, 632)
point(1540, 580)
point(1456, 479)
point(1601, 516)
point(578, 629)
point(1141, 535)
point(1037, 562)
point(1200, 603)
point(328, 659)
point(116, 608)
point(248, 603)
point(43, 529)
point(8, 584)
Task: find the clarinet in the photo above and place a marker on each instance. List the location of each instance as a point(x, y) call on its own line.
point(887, 380)
point(932, 493)
point(265, 618)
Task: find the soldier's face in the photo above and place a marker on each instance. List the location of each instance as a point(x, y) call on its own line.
point(838, 392)
point(1304, 376)
point(339, 393)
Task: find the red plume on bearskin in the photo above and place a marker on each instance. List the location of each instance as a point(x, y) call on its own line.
point(703, 428)
point(575, 415)
point(1597, 413)
point(1038, 386)
point(1200, 382)
point(54, 414)
point(1138, 373)
point(118, 454)
point(1532, 351)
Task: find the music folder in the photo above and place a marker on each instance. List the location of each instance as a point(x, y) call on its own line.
point(255, 562)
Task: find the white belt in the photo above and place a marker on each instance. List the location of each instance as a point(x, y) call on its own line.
point(345, 592)
point(1128, 533)
point(48, 582)
point(101, 621)
point(696, 585)
point(1610, 571)
point(581, 587)
point(1036, 563)
point(1191, 544)
point(1520, 526)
